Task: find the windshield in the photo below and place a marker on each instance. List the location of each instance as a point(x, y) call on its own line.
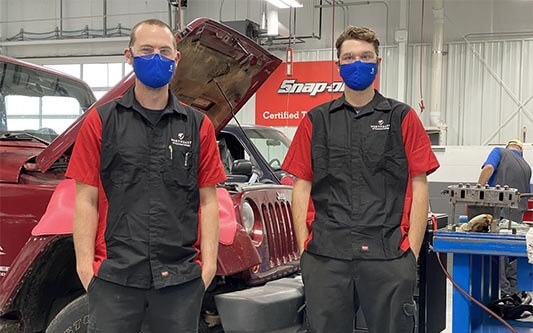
point(271, 143)
point(39, 103)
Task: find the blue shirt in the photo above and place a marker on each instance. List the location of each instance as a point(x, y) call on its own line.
point(494, 160)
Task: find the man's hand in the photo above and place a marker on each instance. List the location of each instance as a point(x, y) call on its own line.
point(300, 206)
point(208, 273)
point(85, 274)
point(416, 253)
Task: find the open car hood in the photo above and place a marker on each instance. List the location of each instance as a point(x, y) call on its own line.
point(220, 69)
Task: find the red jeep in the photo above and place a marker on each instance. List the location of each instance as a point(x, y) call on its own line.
point(255, 289)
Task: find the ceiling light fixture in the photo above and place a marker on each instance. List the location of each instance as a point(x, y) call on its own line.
point(286, 3)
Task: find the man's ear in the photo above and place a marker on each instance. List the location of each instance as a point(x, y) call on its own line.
point(178, 57)
point(128, 56)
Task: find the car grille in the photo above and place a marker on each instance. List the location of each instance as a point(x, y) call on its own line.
point(279, 232)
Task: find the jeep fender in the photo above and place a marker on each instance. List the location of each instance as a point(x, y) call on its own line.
point(41, 282)
point(57, 220)
point(226, 217)
point(22, 268)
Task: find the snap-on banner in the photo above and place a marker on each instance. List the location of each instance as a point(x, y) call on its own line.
point(283, 100)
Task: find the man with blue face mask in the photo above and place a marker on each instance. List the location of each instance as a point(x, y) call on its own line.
point(144, 166)
point(362, 159)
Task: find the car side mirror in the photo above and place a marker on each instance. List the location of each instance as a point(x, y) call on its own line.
point(242, 167)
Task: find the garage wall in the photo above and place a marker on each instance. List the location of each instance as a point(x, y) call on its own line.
point(487, 87)
point(461, 17)
point(487, 81)
point(44, 16)
point(488, 94)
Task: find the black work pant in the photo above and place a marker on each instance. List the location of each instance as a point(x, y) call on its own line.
point(335, 289)
point(115, 308)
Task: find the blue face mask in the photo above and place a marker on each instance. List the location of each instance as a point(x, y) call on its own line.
point(153, 70)
point(359, 75)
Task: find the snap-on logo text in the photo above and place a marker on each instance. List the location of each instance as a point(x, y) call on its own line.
point(311, 88)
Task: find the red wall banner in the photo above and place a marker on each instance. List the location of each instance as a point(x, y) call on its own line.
point(284, 100)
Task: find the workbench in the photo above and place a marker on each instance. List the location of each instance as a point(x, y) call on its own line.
point(476, 269)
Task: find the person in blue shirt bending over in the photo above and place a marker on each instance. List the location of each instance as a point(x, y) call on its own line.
point(507, 166)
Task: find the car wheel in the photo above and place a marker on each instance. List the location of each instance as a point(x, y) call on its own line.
point(73, 318)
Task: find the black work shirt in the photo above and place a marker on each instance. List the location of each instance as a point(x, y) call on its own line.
point(360, 165)
point(147, 176)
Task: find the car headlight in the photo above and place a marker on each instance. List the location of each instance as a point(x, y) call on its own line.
point(247, 217)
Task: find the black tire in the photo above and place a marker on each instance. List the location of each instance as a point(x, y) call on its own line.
point(73, 318)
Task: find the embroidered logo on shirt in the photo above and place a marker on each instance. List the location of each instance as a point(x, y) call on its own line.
point(180, 142)
point(380, 126)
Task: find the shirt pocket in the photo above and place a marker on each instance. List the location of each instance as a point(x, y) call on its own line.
point(180, 167)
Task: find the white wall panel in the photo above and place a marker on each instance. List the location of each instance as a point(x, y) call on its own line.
point(78, 13)
point(482, 84)
point(454, 92)
point(486, 82)
point(388, 74)
point(44, 15)
point(413, 95)
point(128, 13)
point(527, 88)
point(38, 16)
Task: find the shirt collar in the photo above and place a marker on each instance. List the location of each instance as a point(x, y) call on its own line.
point(378, 103)
point(128, 100)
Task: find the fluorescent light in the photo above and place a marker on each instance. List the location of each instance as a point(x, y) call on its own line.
point(278, 3)
point(293, 3)
point(285, 3)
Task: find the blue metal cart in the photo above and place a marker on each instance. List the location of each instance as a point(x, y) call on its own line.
point(476, 270)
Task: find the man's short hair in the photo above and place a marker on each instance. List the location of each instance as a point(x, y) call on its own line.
point(155, 22)
point(358, 33)
point(515, 142)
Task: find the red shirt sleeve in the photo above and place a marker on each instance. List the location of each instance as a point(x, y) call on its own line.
point(210, 168)
point(420, 156)
point(84, 164)
point(298, 159)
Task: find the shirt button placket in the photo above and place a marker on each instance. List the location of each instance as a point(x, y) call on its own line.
point(155, 177)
